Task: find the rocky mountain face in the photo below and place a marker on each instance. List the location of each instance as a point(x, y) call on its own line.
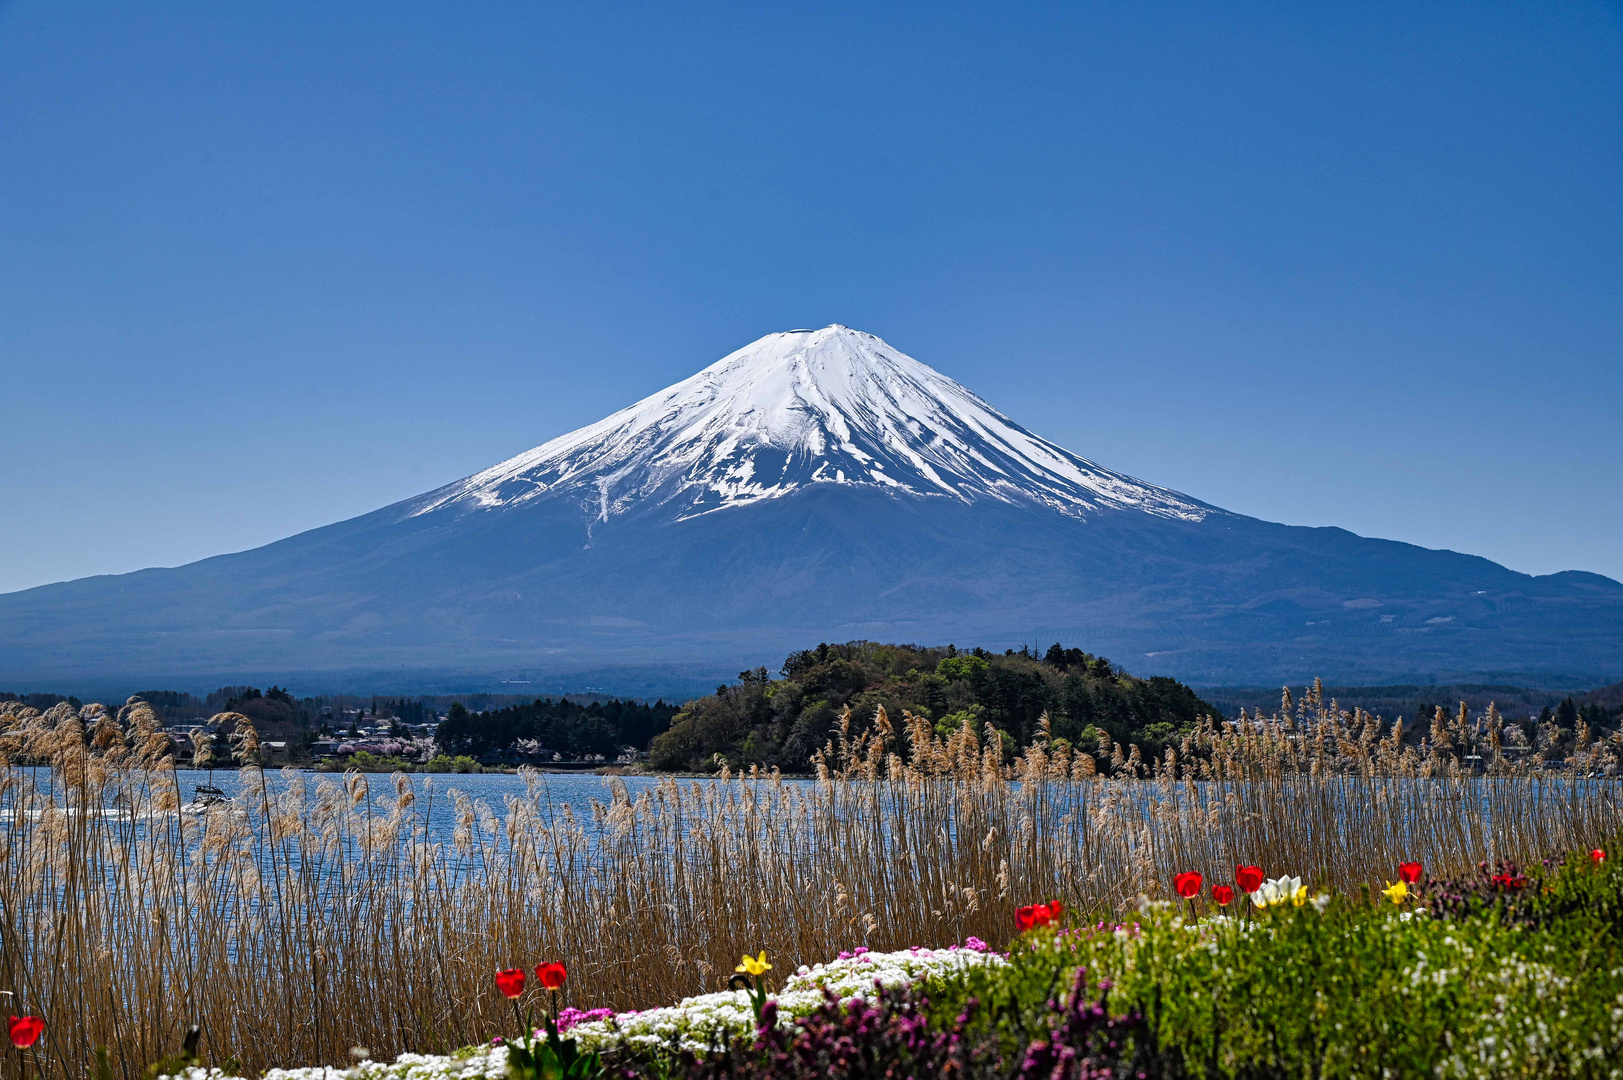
point(814, 485)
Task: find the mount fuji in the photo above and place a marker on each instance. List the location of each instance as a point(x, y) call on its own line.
point(793, 411)
point(815, 485)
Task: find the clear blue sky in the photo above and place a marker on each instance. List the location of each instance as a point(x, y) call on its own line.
point(263, 267)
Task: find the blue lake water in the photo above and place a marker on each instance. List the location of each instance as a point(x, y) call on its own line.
point(433, 791)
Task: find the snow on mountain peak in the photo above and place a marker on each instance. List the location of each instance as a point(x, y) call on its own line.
point(795, 409)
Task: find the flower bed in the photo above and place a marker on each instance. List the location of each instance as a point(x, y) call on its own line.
point(1516, 972)
point(707, 1022)
point(711, 1021)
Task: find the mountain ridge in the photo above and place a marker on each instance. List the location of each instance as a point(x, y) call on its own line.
point(696, 523)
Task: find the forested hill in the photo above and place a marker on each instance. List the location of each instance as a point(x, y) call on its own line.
point(782, 722)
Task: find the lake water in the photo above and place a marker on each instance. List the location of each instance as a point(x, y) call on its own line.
point(577, 791)
point(574, 790)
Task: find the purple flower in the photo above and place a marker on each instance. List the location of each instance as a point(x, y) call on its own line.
point(570, 1016)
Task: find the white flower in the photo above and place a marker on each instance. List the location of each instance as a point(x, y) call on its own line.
point(696, 1023)
point(1147, 907)
point(1279, 890)
point(699, 1023)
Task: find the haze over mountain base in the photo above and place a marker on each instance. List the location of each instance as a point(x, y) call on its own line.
point(704, 530)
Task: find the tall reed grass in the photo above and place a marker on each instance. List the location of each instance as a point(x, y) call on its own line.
point(305, 918)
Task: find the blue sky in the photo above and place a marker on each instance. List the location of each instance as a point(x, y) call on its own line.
point(263, 267)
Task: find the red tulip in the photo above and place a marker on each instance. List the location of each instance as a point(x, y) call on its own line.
point(1597, 855)
point(510, 982)
point(1223, 895)
point(1187, 884)
point(1409, 871)
point(552, 975)
point(25, 1031)
point(1033, 915)
point(1248, 878)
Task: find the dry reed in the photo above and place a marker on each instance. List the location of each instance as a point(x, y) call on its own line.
point(304, 918)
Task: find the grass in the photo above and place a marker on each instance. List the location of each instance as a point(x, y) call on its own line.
point(313, 916)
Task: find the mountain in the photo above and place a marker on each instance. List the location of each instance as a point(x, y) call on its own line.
point(791, 411)
point(812, 486)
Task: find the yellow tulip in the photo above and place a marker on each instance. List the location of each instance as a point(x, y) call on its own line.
point(1299, 897)
point(1396, 893)
point(753, 966)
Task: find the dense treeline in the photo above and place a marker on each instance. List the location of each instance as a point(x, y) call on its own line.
point(1528, 706)
point(545, 726)
point(1568, 713)
point(782, 722)
point(41, 701)
point(332, 713)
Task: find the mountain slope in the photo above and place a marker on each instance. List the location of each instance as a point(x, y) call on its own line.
point(812, 486)
point(792, 410)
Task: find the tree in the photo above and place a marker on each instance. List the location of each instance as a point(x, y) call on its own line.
point(781, 722)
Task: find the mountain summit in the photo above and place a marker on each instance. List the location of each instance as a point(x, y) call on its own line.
point(815, 485)
point(797, 409)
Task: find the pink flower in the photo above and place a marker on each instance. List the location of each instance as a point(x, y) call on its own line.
point(569, 1017)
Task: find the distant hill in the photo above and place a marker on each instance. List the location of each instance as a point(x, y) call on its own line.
point(1607, 697)
point(814, 485)
point(781, 722)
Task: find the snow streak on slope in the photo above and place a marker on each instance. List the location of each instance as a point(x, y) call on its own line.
point(829, 406)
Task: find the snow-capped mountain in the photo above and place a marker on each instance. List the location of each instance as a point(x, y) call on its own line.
point(797, 409)
point(816, 485)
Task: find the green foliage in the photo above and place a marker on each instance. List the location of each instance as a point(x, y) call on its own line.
point(1360, 988)
point(974, 716)
point(364, 761)
point(781, 723)
point(554, 1058)
point(962, 667)
point(441, 763)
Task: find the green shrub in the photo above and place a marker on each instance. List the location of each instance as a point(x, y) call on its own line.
point(442, 763)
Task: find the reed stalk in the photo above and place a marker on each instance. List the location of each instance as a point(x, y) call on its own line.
point(312, 915)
